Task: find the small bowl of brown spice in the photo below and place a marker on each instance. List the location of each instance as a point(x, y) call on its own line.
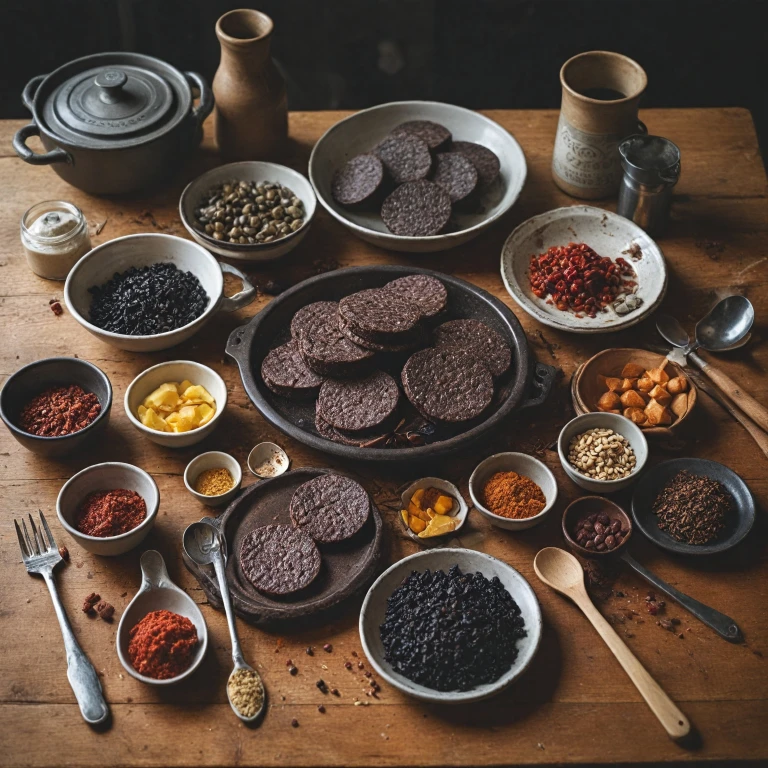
point(513, 490)
point(213, 478)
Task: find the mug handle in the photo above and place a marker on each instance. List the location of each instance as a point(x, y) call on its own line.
point(641, 127)
point(242, 298)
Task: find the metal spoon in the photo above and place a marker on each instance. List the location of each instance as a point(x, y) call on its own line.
point(204, 544)
point(563, 572)
point(726, 325)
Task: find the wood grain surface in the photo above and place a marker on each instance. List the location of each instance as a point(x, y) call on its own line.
point(574, 705)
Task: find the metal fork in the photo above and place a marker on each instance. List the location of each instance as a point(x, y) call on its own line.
point(41, 557)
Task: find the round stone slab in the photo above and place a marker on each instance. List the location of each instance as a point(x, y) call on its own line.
point(357, 180)
point(447, 386)
point(455, 174)
point(379, 315)
point(435, 135)
point(485, 161)
point(279, 559)
point(405, 158)
point(285, 372)
point(330, 508)
point(355, 405)
point(418, 209)
point(476, 339)
point(425, 291)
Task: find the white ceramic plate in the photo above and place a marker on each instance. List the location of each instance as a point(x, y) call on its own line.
point(609, 235)
point(375, 605)
point(362, 131)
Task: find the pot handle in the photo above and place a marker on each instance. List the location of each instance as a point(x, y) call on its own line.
point(28, 156)
point(541, 385)
point(205, 107)
point(242, 298)
point(28, 94)
point(235, 342)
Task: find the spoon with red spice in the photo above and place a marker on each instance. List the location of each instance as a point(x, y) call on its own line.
point(205, 545)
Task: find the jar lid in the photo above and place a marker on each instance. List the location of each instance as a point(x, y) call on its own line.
point(112, 100)
point(650, 160)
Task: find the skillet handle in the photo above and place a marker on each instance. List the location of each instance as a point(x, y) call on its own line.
point(541, 385)
point(235, 348)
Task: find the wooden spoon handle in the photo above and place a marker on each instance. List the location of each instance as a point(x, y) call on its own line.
point(674, 721)
point(747, 403)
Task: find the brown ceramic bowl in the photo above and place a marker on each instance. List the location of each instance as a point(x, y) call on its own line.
point(587, 505)
point(586, 389)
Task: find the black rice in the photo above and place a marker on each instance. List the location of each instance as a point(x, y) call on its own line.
point(451, 632)
point(148, 300)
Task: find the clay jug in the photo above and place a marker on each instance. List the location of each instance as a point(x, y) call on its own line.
point(251, 116)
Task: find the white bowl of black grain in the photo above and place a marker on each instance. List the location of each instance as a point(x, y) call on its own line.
point(149, 292)
point(248, 211)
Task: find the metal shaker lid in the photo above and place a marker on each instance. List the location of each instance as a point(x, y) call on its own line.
point(650, 160)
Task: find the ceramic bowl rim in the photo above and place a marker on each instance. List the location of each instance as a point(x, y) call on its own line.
point(173, 435)
point(601, 414)
point(104, 412)
point(246, 247)
point(95, 469)
point(453, 697)
point(213, 301)
point(201, 496)
point(448, 237)
point(492, 515)
point(593, 552)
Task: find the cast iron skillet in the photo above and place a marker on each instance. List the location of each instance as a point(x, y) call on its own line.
point(527, 384)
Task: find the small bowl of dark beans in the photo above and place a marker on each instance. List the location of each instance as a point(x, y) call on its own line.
point(594, 526)
point(253, 211)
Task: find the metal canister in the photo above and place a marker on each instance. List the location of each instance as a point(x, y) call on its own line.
point(651, 169)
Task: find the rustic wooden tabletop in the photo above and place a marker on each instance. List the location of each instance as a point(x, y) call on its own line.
point(574, 704)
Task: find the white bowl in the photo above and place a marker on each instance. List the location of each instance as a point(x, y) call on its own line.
point(362, 131)
point(99, 265)
point(175, 370)
point(624, 427)
point(375, 606)
point(106, 477)
point(212, 460)
point(523, 464)
point(609, 235)
point(250, 170)
point(158, 593)
point(459, 510)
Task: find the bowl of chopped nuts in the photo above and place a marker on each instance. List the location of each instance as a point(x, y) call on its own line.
point(250, 211)
point(602, 452)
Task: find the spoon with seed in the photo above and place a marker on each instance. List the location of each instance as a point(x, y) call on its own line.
point(563, 572)
point(724, 328)
point(204, 544)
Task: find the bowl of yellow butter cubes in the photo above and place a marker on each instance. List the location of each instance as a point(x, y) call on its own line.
point(432, 509)
point(176, 404)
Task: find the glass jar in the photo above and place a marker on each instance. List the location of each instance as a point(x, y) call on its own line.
point(54, 235)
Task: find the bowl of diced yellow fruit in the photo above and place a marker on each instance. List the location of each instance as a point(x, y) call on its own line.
point(176, 404)
point(432, 509)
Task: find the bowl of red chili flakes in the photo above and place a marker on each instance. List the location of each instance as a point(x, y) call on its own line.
point(108, 508)
point(53, 406)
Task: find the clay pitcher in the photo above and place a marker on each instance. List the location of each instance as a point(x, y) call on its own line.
point(251, 116)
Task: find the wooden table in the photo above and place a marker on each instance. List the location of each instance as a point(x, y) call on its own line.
point(575, 704)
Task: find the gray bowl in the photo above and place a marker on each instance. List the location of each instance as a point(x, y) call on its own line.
point(32, 379)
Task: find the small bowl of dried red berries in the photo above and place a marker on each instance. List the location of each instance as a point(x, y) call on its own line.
point(53, 406)
point(594, 526)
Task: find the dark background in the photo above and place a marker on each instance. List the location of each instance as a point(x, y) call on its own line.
point(477, 53)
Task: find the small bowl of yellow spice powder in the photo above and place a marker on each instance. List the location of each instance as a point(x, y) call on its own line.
point(513, 490)
point(213, 478)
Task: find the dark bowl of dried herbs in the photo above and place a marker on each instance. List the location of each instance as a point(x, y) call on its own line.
point(53, 406)
point(693, 506)
point(450, 626)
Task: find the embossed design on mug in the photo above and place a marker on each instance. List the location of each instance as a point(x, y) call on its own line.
point(586, 160)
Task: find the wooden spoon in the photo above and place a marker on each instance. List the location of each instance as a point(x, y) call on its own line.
point(563, 572)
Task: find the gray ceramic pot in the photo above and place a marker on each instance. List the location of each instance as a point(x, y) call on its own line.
point(114, 122)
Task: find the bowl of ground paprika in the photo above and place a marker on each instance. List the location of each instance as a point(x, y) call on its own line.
point(513, 490)
point(108, 508)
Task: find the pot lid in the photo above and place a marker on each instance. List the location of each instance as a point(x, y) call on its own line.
point(112, 100)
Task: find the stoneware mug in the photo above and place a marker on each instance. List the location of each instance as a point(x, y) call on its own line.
point(601, 91)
